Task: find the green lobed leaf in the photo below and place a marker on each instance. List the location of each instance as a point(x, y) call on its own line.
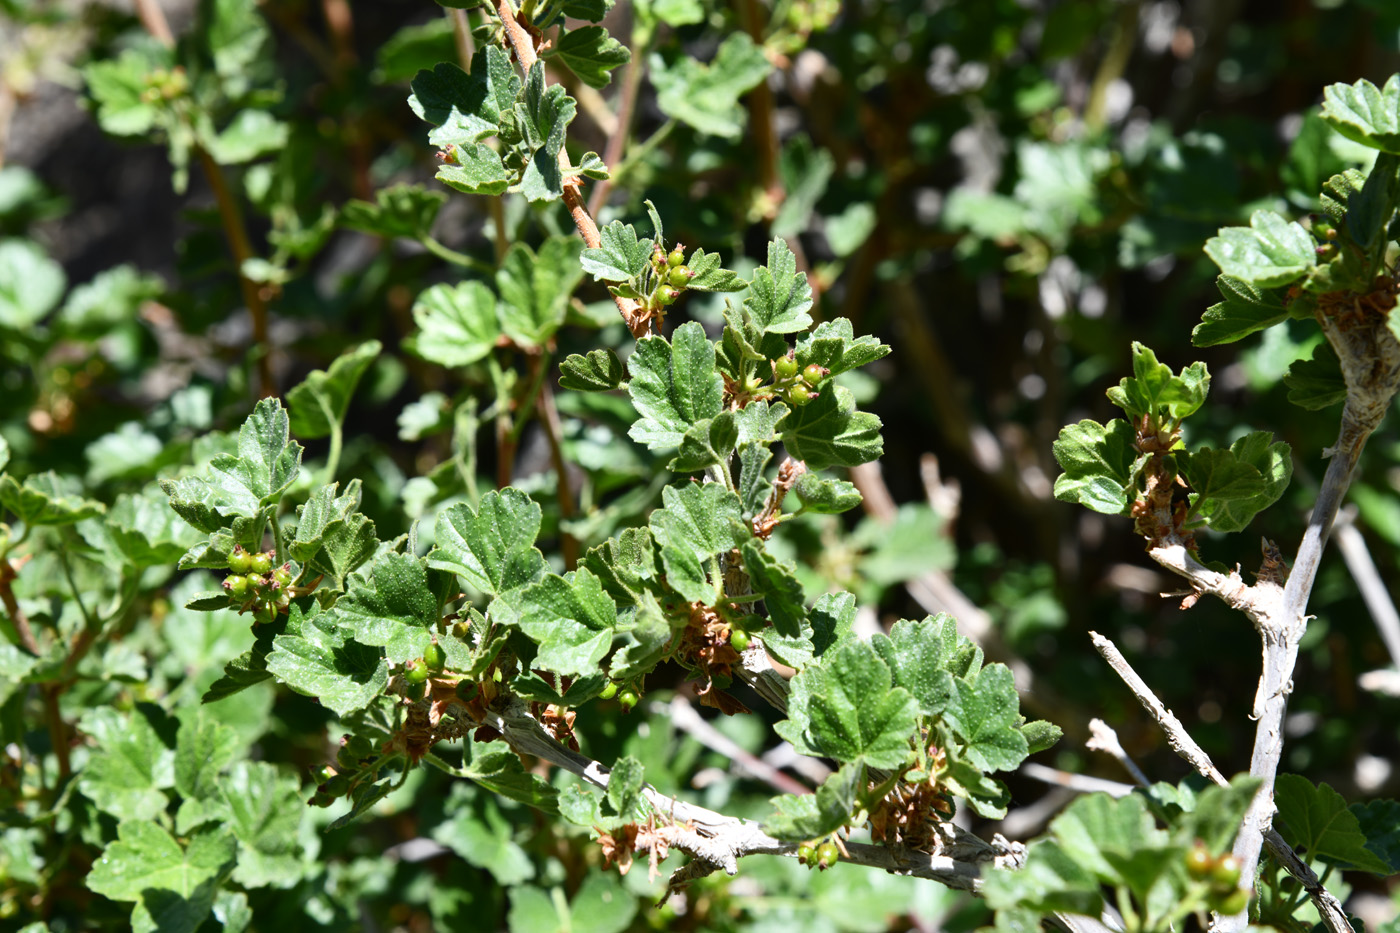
point(779, 296)
point(832, 617)
point(824, 496)
point(317, 659)
point(47, 499)
point(643, 642)
point(758, 422)
point(117, 85)
point(1232, 507)
point(493, 546)
point(1218, 474)
point(673, 385)
point(1116, 840)
point(145, 857)
point(755, 486)
point(621, 257)
point(113, 298)
point(828, 431)
point(535, 289)
point(331, 534)
point(1051, 880)
point(599, 371)
point(1098, 466)
point(799, 817)
point(477, 169)
point(394, 608)
point(203, 749)
point(1268, 253)
point(987, 796)
point(706, 97)
point(1246, 309)
point(267, 461)
point(132, 766)
point(571, 619)
point(251, 134)
point(499, 770)
point(833, 345)
point(320, 401)
point(1316, 383)
point(1369, 212)
point(247, 669)
point(457, 325)
point(466, 108)
point(624, 791)
point(708, 442)
point(985, 713)
point(701, 519)
point(1316, 820)
point(781, 591)
point(1379, 821)
point(709, 276)
point(264, 812)
point(592, 54)
point(397, 211)
point(543, 113)
point(30, 284)
point(846, 707)
point(919, 655)
point(476, 831)
point(1153, 387)
point(1364, 113)
point(805, 171)
point(624, 564)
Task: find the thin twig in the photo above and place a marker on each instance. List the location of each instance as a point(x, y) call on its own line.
point(617, 140)
point(1102, 738)
point(553, 433)
point(1181, 742)
point(1352, 545)
point(684, 717)
point(1081, 783)
point(153, 18)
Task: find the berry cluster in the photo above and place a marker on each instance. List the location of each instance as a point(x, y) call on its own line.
point(418, 671)
point(1223, 875)
point(627, 697)
point(254, 584)
point(672, 275)
point(797, 388)
point(819, 855)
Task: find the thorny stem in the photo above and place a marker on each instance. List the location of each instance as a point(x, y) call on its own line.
point(633, 314)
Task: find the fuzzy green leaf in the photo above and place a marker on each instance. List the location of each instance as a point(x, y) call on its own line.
point(706, 97)
point(1268, 253)
point(781, 591)
point(394, 609)
point(800, 817)
point(203, 749)
point(985, 712)
point(1316, 820)
point(30, 284)
point(332, 535)
point(833, 345)
point(592, 54)
point(264, 811)
point(918, 654)
point(709, 276)
point(466, 108)
point(317, 659)
point(708, 442)
point(132, 765)
point(47, 499)
point(599, 371)
point(1246, 309)
point(779, 296)
point(1316, 383)
point(493, 547)
point(1153, 387)
point(145, 857)
point(543, 114)
point(478, 170)
point(700, 518)
point(535, 289)
point(828, 431)
point(1230, 506)
point(571, 618)
point(1098, 465)
point(825, 496)
point(673, 385)
point(1379, 821)
point(623, 564)
point(457, 324)
point(620, 258)
point(1051, 880)
point(323, 397)
point(1364, 113)
point(477, 831)
point(846, 707)
point(1116, 840)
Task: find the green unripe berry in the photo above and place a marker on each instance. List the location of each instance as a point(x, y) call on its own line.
point(282, 576)
point(1198, 861)
point(240, 561)
point(337, 786)
point(434, 656)
point(237, 585)
point(812, 374)
point(320, 800)
point(325, 773)
point(627, 699)
point(467, 690)
point(1225, 874)
point(609, 691)
point(261, 563)
point(264, 614)
point(417, 671)
point(1235, 902)
point(679, 277)
point(739, 640)
point(785, 368)
point(415, 691)
point(667, 296)
point(799, 395)
point(805, 853)
point(676, 258)
point(827, 855)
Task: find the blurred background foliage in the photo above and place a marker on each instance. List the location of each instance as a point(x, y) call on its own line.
point(1007, 191)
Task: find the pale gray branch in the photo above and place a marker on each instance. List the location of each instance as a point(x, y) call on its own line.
point(1102, 738)
point(1352, 544)
point(1181, 742)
